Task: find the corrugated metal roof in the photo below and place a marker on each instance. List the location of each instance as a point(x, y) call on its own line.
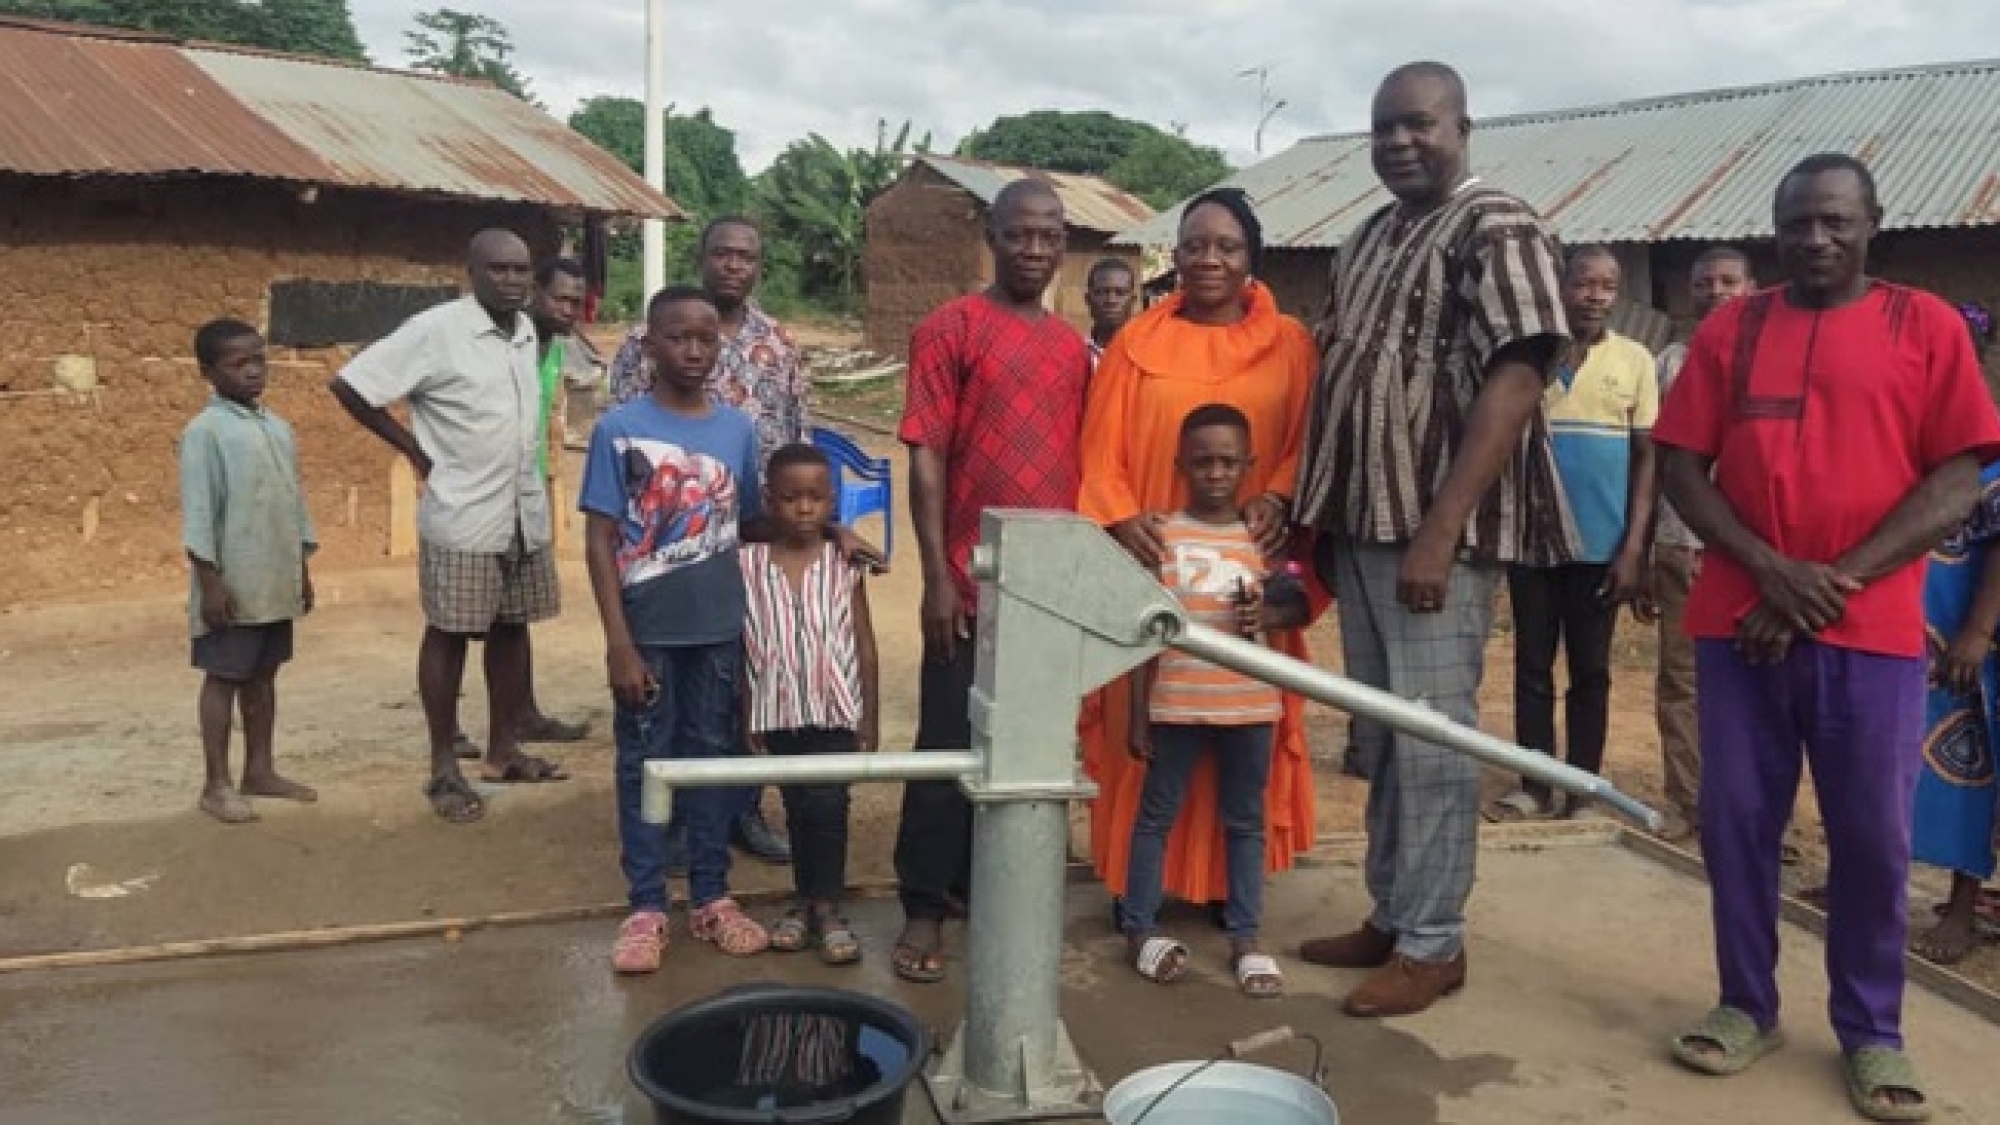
point(78, 101)
point(1089, 203)
point(83, 105)
point(1690, 166)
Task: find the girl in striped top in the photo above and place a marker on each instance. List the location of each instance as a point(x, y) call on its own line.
point(811, 688)
point(1184, 709)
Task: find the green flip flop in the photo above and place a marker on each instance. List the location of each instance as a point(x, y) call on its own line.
point(1872, 1071)
point(1732, 1030)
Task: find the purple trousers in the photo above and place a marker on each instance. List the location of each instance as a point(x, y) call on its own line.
point(1858, 719)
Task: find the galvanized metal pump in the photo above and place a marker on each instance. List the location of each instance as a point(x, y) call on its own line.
point(1062, 611)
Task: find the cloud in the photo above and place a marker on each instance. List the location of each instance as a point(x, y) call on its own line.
point(774, 70)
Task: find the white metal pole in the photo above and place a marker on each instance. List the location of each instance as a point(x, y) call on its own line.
point(655, 246)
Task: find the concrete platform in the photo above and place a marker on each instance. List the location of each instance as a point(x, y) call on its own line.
point(1584, 957)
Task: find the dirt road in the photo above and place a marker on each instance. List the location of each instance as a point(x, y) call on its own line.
point(99, 748)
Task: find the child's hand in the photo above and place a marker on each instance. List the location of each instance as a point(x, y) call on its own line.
point(1958, 669)
point(859, 552)
point(869, 737)
point(218, 609)
point(307, 598)
point(1249, 606)
point(632, 683)
point(1139, 741)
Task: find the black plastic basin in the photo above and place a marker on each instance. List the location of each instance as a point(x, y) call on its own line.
point(767, 1054)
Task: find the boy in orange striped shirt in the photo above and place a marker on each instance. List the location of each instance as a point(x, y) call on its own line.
point(1184, 708)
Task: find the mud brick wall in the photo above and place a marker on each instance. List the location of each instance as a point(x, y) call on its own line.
point(107, 282)
point(926, 244)
point(1298, 279)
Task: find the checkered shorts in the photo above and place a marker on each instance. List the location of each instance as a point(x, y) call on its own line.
point(468, 592)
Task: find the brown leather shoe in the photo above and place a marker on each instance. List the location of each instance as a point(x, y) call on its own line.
point(1406, 986)
point(1365, 948)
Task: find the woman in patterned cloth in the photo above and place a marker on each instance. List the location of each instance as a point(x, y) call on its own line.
point(1957, 794)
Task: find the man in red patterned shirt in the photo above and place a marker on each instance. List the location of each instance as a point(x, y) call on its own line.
point(992, 417)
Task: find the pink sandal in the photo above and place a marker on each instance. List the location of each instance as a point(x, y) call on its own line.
point(642, 938)
point(732, 931)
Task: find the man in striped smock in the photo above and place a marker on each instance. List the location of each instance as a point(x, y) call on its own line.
point(1426, 471)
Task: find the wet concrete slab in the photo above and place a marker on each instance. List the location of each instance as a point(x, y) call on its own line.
point(1584, 957)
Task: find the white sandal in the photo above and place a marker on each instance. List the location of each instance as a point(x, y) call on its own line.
point(1161, 960)
point(1258, 977)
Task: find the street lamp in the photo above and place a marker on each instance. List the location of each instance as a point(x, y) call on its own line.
point(655, 240)
point(1268, 115)
point(1267, 106)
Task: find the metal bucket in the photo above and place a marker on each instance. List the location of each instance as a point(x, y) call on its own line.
point(1235, 1092)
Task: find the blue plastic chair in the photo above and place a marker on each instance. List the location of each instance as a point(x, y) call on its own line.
point(861, 484)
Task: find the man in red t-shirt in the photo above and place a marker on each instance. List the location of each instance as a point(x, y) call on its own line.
point(992, 416)
point(1846, 422)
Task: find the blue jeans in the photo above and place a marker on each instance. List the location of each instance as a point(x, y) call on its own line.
point(1242, 767)
point(694, 716)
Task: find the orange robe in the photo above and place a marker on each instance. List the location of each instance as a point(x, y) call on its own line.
point(1159, 368)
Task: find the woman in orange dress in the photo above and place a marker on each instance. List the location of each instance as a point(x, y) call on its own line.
point(1219, 339)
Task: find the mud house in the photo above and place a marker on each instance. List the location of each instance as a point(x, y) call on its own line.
point(1661, 178)
point(147, 186)
point(926, 240)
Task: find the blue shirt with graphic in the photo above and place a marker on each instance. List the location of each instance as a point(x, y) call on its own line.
point(676, 485)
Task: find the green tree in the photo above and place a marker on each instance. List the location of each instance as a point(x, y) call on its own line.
point(704, 175)
point(1088, 142)
point(703, 172)
point(1163, 170)
point(465, 45)
point(307, 27)
point(312, 27)
point(1157, 166)
point(616, 125)
point(811, 203)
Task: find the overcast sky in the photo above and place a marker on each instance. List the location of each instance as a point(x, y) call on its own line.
point(774, 70)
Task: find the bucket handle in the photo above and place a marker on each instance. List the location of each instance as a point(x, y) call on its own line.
point(1248, 1045)
point(1277, 1036)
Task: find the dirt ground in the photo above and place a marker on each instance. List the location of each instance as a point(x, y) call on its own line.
point(1575, 985)
point(99, 747)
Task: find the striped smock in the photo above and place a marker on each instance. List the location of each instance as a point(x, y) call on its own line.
point(798, 643)
point(1418, 307)
point(1204, 564)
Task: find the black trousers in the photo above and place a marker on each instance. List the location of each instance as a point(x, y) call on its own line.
point(816, 815)
point(934, 842)
point(1559, 607)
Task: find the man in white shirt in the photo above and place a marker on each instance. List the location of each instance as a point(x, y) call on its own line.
point(486, 567)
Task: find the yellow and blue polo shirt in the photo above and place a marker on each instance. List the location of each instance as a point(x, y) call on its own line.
point(1594, 412)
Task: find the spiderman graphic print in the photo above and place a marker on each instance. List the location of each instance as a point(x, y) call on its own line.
point(677, 488)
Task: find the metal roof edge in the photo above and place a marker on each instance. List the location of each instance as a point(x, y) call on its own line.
point(1690, 97)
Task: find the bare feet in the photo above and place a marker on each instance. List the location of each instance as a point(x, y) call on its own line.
point(226, 805)
point(1957, 933)
point(1948, 942)
point(272, 785)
